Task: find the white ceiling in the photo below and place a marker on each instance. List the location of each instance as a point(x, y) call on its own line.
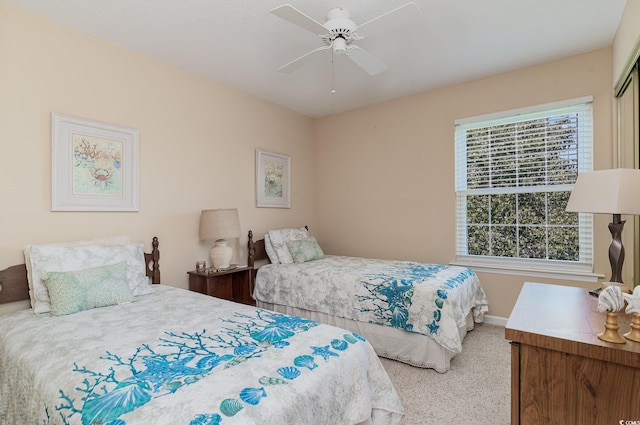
point(239, 43)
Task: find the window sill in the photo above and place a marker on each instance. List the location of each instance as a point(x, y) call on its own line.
point(576, 275)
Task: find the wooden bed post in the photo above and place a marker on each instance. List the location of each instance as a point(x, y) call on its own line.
point(152, 261)
point(252, 250)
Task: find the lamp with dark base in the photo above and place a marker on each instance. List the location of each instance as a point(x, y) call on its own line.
point(614, 192)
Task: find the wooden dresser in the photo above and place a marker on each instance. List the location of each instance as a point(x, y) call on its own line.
point(561, 373)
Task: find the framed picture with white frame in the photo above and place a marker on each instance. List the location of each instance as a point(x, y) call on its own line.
point(94, 165)
point(273, 180)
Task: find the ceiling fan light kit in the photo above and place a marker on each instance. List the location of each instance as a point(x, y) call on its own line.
point(340, 46)
point(339, 33)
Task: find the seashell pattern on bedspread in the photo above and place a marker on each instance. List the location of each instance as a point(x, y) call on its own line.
point(178, 357)
point(429, 299)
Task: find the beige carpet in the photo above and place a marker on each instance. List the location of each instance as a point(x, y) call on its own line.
point(475, 391)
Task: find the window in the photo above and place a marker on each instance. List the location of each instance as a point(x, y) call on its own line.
point(514, 175)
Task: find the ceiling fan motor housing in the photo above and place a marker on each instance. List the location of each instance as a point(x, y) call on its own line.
point(341, 30)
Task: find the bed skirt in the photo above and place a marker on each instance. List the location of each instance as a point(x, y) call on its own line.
point(407, 347)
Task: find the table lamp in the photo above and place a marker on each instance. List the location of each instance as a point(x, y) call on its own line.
point(220, 224)
point(616, 192)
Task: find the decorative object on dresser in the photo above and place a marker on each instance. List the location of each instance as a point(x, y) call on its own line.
point(273, 180)
point(614, 192)
point(561, 372)
point(633, 308)
point(610, 302)
point(220, 224)
point(233, 285)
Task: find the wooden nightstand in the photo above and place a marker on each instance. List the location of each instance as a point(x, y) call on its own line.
point(234, 285)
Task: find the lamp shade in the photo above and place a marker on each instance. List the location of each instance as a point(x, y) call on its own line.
point(219, 224)
point(615, 191)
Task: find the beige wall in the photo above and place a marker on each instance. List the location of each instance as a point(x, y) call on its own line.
point(378, 181)
point(197, 144)
point(386, 185)
point(626, 45)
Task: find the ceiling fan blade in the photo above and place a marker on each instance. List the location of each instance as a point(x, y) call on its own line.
point(307, 57)
point(397, 17)
point(293, 15)
point(365, 60)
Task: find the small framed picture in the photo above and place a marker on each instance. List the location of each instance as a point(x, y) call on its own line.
point(94, 165)
point(273, 179)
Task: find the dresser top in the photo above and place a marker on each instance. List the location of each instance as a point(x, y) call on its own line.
point(566, 319)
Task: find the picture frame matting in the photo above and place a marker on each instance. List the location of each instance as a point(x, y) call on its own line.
point(273, 179)
point(94, 165)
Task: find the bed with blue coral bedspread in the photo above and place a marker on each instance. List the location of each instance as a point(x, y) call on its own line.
point(178, 357)
point(432, 300)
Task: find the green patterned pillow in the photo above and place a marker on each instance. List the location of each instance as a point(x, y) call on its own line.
point(80, 290)
point(303, 250)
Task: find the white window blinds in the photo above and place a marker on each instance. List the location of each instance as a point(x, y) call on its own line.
point(514, 173)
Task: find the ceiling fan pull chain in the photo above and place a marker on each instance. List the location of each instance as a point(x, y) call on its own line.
point(333, 88)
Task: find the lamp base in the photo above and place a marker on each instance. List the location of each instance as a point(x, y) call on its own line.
point(616, 249)
point(221, 254)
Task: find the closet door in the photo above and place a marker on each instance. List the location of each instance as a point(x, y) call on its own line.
point(628, 156)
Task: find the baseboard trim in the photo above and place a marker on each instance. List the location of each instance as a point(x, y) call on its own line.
point(495, 320)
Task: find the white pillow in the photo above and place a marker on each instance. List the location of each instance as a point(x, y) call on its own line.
point(111, 240)
point(279, 239)
point(45, 259)
point(271, 252)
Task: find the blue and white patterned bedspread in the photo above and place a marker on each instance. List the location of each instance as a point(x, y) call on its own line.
point(177, 357)
point(430, 299)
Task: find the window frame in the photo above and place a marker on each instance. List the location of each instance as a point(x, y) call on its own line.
point(581, 270)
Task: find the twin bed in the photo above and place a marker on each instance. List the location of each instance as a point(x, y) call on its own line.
point(417, 313)
point(107, 348)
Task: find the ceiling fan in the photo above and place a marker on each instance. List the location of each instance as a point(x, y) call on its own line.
point(339, 33)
